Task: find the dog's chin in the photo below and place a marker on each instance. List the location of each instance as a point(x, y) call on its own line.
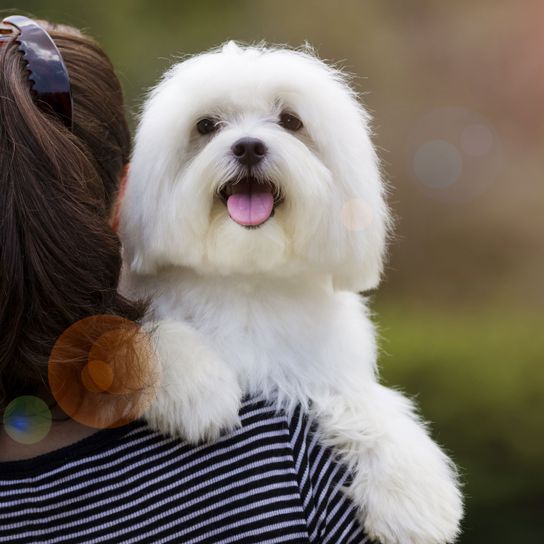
point(234, 249)
point(250, 201)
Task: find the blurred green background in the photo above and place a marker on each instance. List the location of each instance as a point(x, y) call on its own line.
point(457, 94)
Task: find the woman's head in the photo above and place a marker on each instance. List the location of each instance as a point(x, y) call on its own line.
point(59, 258)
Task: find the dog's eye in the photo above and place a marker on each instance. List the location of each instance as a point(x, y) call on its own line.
point(290, 121)
point(207, 125)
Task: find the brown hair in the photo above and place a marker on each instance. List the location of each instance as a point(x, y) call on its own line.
point(59, 258)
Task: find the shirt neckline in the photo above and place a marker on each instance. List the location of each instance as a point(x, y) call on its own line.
point(10, 470)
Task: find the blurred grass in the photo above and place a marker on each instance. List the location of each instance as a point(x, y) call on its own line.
point(478, 376)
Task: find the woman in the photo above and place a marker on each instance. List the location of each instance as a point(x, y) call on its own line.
point(270, 481)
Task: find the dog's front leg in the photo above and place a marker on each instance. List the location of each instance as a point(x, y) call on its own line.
point(198, 396)
point(404, 485)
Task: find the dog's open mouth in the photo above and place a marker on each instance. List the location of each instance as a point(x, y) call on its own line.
point(250, 202)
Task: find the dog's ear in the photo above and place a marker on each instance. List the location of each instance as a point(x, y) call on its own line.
point(139, 209)
point(132, 257)
point(361, 217)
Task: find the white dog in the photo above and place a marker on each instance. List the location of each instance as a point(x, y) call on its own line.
point(254, 214)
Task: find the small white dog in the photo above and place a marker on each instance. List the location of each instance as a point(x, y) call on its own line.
point(254, 214)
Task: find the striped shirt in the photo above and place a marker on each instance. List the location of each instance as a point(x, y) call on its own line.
point(268, 482)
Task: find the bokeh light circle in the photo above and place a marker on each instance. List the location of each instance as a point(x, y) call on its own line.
point(97, 376)
point(476, 140)
point(356, 214)
point(102, 371)
point(454, 154)
point(27, 419)
point(438, 164)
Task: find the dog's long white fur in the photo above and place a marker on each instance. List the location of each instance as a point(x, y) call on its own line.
point(274, 310)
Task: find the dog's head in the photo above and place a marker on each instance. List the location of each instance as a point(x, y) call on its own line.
point(256, 160)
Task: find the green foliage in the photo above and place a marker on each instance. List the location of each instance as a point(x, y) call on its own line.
point(478, 376)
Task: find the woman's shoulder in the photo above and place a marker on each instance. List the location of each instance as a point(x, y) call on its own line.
point(271, 478)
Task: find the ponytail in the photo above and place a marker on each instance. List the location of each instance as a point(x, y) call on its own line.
point(59, 258)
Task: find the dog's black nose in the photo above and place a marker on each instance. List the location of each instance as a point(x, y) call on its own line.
point(249, 151)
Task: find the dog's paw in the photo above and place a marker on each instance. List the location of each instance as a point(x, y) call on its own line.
point(199, 396)
point(409, 499)
point(404, 486)
point(417, 513)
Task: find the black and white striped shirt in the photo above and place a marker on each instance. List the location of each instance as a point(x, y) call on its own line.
point(268, 482)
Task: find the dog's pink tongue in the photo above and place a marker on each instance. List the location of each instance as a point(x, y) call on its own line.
point(249, 208)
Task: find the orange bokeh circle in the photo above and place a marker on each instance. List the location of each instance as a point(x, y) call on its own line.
point(102, 371)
